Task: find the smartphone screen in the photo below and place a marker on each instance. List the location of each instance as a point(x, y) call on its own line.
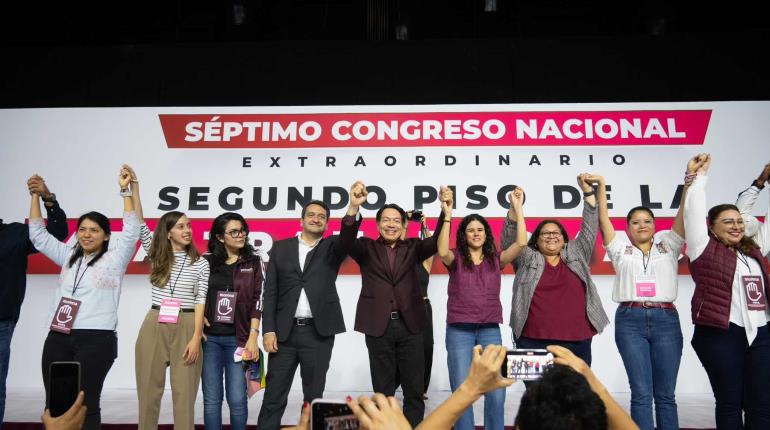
point(526, 364)
point(63, 386)
point(328, 414)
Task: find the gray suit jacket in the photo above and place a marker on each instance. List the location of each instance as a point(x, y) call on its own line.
point(530, 265)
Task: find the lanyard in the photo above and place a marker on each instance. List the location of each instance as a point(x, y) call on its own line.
point(646, 261)
point(77, 281)
point(178, 274)
point(743, 260)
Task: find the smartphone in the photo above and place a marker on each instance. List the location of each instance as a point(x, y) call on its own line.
point(63, 386)
point(328, 414)
point(526, 364)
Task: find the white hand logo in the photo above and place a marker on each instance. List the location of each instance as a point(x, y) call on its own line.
point(64, 312)
point(753, 291)
point(224, 306)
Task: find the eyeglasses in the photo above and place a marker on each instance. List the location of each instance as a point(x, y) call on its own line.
point(730, 222)
point(554, 234)
point(236, 233)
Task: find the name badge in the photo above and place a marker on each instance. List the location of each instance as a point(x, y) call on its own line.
point(169, 311)
point(64, 317)
point(755, 293)
point(645, 286)
point(225, 309)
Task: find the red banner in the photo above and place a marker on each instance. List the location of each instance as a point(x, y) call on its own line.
point(350, 130)
point(263, 231)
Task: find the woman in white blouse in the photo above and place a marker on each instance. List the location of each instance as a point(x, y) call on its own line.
point(647, 330)
point(729, 308)
point(83, 314)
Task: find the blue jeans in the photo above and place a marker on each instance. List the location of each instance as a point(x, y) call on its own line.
point(218, 359)
point(650, 342)
point(738, 373)
point(6, 333)
point(460, 340)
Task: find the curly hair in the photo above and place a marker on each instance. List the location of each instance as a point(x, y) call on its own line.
point(561, 399)
point(489, 250)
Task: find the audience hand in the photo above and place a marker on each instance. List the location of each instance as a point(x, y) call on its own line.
point(484, 373)
point(379, 413)
point(73, 419)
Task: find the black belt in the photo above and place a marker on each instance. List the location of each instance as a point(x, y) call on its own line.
point(395, 315)
point(303, 321)
point(661, 305)
point(157, 308)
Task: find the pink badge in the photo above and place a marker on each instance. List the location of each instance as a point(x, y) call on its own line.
point(225, 309)
point(64, 317)
point(755, 293)
point(169, 311)
point(645, 287)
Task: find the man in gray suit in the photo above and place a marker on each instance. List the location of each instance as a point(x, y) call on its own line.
point(301, 308)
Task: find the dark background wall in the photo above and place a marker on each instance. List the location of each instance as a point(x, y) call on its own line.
point(307, 52)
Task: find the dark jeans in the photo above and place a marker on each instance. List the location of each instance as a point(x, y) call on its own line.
point(399, 350)
point(427, 343)
point(581, 348)
point(219, 367)
point(95, 350)
point(739, 374)
point(312, 352)
point(6, 333)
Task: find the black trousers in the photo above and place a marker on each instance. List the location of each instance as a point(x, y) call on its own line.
point(95, 350)
point(427, 342)
point(399, 351)
point(308, 350)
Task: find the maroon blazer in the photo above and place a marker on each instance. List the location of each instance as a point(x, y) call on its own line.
point(380, 285)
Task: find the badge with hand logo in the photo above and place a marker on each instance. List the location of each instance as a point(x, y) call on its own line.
point(225, 307)
point(64, 317)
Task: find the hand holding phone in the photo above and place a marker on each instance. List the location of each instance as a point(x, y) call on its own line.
point(63, 386)
point(329, 414)
point(526, 364)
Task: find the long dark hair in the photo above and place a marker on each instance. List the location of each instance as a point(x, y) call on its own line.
point(532, 243)
point(217, 248)
point(746, 244)
point(489, 250)
point(162, 253)
point(104, 224)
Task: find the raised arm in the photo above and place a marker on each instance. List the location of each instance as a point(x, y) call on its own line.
point(428, 246)
point(57, 219)
point(41, 239)
point(605, 225)
point(483, 376)
point(516, 199)
point(617, 418)
point(583, 245)
point(126, 243)
point(426, 264)
point(346, 244)
point(692, 171)
point(442, 241)
point(696, 231)
point(746, 200)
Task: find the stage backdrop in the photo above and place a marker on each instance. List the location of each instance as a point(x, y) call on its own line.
point(264, 162)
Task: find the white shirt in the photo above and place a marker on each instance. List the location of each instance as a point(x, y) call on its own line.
point(303, 306)
point(696, 229)
point(662, 265)
point(99, 285)
point(758, 231)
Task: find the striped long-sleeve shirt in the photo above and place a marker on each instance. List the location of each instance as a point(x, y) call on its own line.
point(187, 282)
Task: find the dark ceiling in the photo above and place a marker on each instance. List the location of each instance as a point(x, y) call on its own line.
point(194, 21)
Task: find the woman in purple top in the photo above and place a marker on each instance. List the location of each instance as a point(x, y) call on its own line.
point(474, 311)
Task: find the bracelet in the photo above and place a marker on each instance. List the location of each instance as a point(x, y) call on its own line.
point(447, 220)
point(589, 193)
point(255, 330)
point(125, 192)
point(689, 178)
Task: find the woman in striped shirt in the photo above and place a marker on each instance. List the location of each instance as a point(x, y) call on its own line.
point(171, 333)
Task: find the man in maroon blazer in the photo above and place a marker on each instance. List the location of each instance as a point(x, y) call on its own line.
point(390, 310)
